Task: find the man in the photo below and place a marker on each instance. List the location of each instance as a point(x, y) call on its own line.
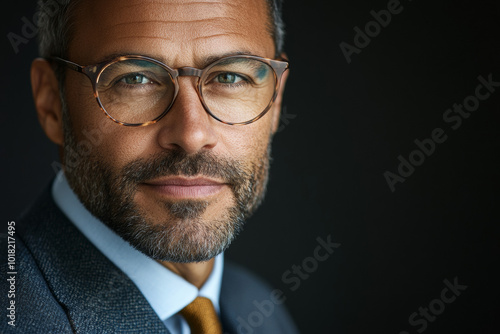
point(164, 113)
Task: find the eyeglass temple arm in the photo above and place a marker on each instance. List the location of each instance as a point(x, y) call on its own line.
point(69, 64)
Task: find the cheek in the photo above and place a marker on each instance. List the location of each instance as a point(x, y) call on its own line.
point(83, 109)
point(117, 145)
point(248, 143)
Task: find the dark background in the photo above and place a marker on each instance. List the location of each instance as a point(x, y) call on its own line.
point(347, 125)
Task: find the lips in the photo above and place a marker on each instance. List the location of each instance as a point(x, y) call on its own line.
point(185, 188)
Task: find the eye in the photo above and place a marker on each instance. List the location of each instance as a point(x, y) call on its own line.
point(228, 78)
point(135, 79)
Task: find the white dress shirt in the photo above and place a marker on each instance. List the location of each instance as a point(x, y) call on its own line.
point(166, 292)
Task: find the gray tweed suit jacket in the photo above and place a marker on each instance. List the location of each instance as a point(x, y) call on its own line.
point(66, 285)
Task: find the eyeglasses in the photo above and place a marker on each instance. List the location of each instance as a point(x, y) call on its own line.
point(138, 90)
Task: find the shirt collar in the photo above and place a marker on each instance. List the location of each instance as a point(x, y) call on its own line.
point(166, 292)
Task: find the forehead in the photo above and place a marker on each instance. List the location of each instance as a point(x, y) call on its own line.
point(180, 32)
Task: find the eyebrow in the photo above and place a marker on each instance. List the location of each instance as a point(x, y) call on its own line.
point(203, 62)
point(210, 59)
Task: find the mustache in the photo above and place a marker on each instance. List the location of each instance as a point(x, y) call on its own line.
point(177, 162)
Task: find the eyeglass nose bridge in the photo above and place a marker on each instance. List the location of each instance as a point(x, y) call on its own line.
point(189, 71)
point(185, 72)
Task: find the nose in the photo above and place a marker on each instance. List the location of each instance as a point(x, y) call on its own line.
point(187, 125)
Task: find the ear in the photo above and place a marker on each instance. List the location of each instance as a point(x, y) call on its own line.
point(277, 102)
point(45, 87)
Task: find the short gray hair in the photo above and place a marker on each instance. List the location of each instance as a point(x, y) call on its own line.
point(56, 20)
point(278, 25)
point(54, 26)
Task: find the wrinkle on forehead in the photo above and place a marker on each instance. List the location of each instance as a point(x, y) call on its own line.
point(163, 22)
point(183, 3)
point(167, 38)
point(177, 13)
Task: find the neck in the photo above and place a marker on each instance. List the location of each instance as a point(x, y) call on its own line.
point(195, 273)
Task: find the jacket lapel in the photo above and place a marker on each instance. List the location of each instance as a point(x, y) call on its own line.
point(247, 306)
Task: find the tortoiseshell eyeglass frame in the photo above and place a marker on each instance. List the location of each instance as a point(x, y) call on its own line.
point(93, 72)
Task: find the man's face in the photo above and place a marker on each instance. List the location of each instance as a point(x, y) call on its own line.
point(179, 189)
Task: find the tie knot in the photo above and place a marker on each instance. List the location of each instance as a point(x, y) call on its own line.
point(201, 317)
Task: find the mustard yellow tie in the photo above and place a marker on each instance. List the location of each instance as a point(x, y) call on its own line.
point(201, 317)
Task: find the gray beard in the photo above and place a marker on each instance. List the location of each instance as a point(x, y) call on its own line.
point(182, 236)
